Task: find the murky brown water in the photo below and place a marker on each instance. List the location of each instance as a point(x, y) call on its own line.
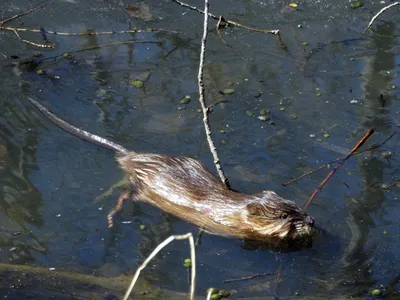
point(329, 76)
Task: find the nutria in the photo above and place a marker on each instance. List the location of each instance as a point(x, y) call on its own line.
point(183, 187)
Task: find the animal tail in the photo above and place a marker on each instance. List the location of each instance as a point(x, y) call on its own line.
point(80, 133)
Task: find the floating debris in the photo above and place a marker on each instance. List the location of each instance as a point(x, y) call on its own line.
point(250, 114)
point(312, 135)
point(326, 135)
point(294, 5)
point(376, 292)
point(142, 227)
point(187, 263)
point(40, 72)
point(355, 4)
point(227, 92)
point(263, 118)
point(293, 116)
point(230, 83)
point(282, 109)
point(264, 112)
point(385, 154)
point(384, 186)
point(385, 232)
point(185, 99)
point(141, 12)
point(354, 101)
point(138, 83)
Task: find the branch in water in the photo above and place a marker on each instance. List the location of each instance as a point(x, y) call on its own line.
point(204, 107)
point(378, 14)
point(222, 19)
point(356, 147)
point(373, 147)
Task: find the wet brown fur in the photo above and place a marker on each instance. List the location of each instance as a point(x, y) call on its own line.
point(183, 187)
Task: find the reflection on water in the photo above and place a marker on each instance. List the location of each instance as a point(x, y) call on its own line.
point(339, 83)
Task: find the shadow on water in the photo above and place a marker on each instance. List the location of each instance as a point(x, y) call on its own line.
point(329, 80)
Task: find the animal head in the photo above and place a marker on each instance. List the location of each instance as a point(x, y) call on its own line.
point(274, 217)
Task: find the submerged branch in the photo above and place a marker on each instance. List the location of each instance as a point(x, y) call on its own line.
point(356, 147)
point(373, 147)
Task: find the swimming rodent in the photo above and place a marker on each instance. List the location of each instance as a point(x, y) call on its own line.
point(183, 187)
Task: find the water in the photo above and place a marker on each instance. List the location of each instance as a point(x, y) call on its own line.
point(49, 180)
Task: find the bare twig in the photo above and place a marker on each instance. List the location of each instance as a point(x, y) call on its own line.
point(218, 27)
point(84, 33)
point(272, 31)
point(373, 147)
point(378, 14)
point(33, 43)
point(311, 172)
point(204, 107)
point(22, 14)
point(247, 277)
point(16, 30)
point(188, 236)
point(356, 147)
point(198, 238)
point(209, 294)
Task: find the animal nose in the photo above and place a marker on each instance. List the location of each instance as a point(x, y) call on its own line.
point(310, 220)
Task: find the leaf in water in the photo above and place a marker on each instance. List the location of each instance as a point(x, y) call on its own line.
point(141, 12)
point(185, 99)
point(355, 4)
point(228, 91)
point(294, 5)
point(138, 83)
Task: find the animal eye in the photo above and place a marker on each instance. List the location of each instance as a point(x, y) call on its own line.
point(283, 216)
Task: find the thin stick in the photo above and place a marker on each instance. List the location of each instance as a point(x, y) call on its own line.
point(378, 14)
point(311, 172)
point(218, 27)
point(204, 107)
point(247, 277)
point(356, 147)
point(84, 33)
point(209, 294)
point(373, 147)
point(33, 43)
point(272, 31)
point(22, 14)
point(188, 236)
point(198, 238)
